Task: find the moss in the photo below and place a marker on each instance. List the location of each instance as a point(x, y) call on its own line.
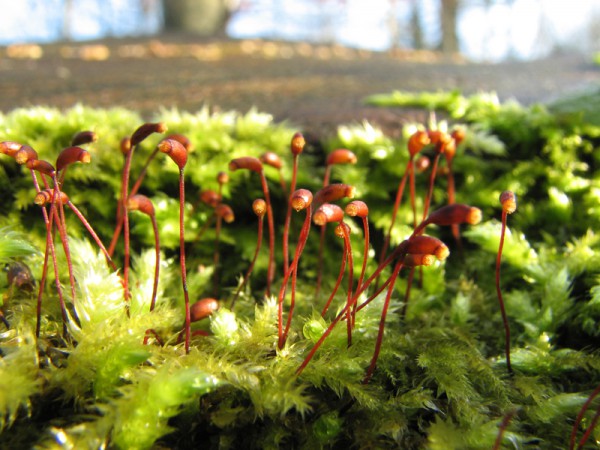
point(441, 378)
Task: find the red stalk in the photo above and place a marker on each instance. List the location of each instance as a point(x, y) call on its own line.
point(509, 205)
point(300, 199)
point(143, 204)
point(580, 415)
point(259, 206)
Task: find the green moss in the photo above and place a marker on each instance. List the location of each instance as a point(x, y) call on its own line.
point(441, 378)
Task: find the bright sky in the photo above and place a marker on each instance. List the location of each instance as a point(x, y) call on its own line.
point(519, 28)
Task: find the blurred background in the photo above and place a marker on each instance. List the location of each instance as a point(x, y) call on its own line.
point(480, 30)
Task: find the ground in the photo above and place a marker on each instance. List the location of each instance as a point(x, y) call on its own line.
point(313, 87)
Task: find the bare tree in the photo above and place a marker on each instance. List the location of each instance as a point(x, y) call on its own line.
point(416, 26)
point(448, 19)
point(202, 17)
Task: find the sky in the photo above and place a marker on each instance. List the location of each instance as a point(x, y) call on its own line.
point(521, 29)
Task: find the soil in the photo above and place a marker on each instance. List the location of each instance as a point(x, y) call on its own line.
point(314, 88)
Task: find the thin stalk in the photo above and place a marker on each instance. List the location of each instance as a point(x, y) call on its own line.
point(344, 312)
point(580, 415)
point(384, 310)
point(135, 188)
point(502, 428)
point(429, 196)
point(500, 300)
point(182, 260)
point(412, 189)
point(509, 205)
point(216, 257)
point(337, 283)
point(259, 206)
point(90, 230)
point(293, 271)
point(409, 282)
point(49, 248)
point(271, 226)
point(144, 205)
point(397, 201)
point(125, 220)
point(205, 227)
point(349, 302)
point(288, 216)
point(363, 268)
point(589, 430)
point(156, 262)
point(62, 230)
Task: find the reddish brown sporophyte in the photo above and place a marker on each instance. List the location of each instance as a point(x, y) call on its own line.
point(72, 155)
point(146, 130)
point(457, 213)
point(83, 138)
point(301, 199)
point(327, 213)
point(271, 159)
point(222, 179)
point(297, 144)
point(246, 162)
point(210, 198)
point(225, 212)
point(418, 259)
point(10, 148)
point(459, 134)
point(125, 145)
point(175, 150)
point(259, 206)
point(203, 308)
point(422, 163)
point(417, 141)
point(333, 193)
point(69, 156)
point(508, 200)
point(198, 311)
point(183, 140)
point(425, 245)
point(24, 154)
point(339, 156)
point(45, 197)
point(39, 165)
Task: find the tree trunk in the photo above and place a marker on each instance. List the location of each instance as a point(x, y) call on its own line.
point(449, 11)
point(416, 28)
point(201, 17)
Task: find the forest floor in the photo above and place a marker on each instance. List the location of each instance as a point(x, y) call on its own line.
point(313, 87)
